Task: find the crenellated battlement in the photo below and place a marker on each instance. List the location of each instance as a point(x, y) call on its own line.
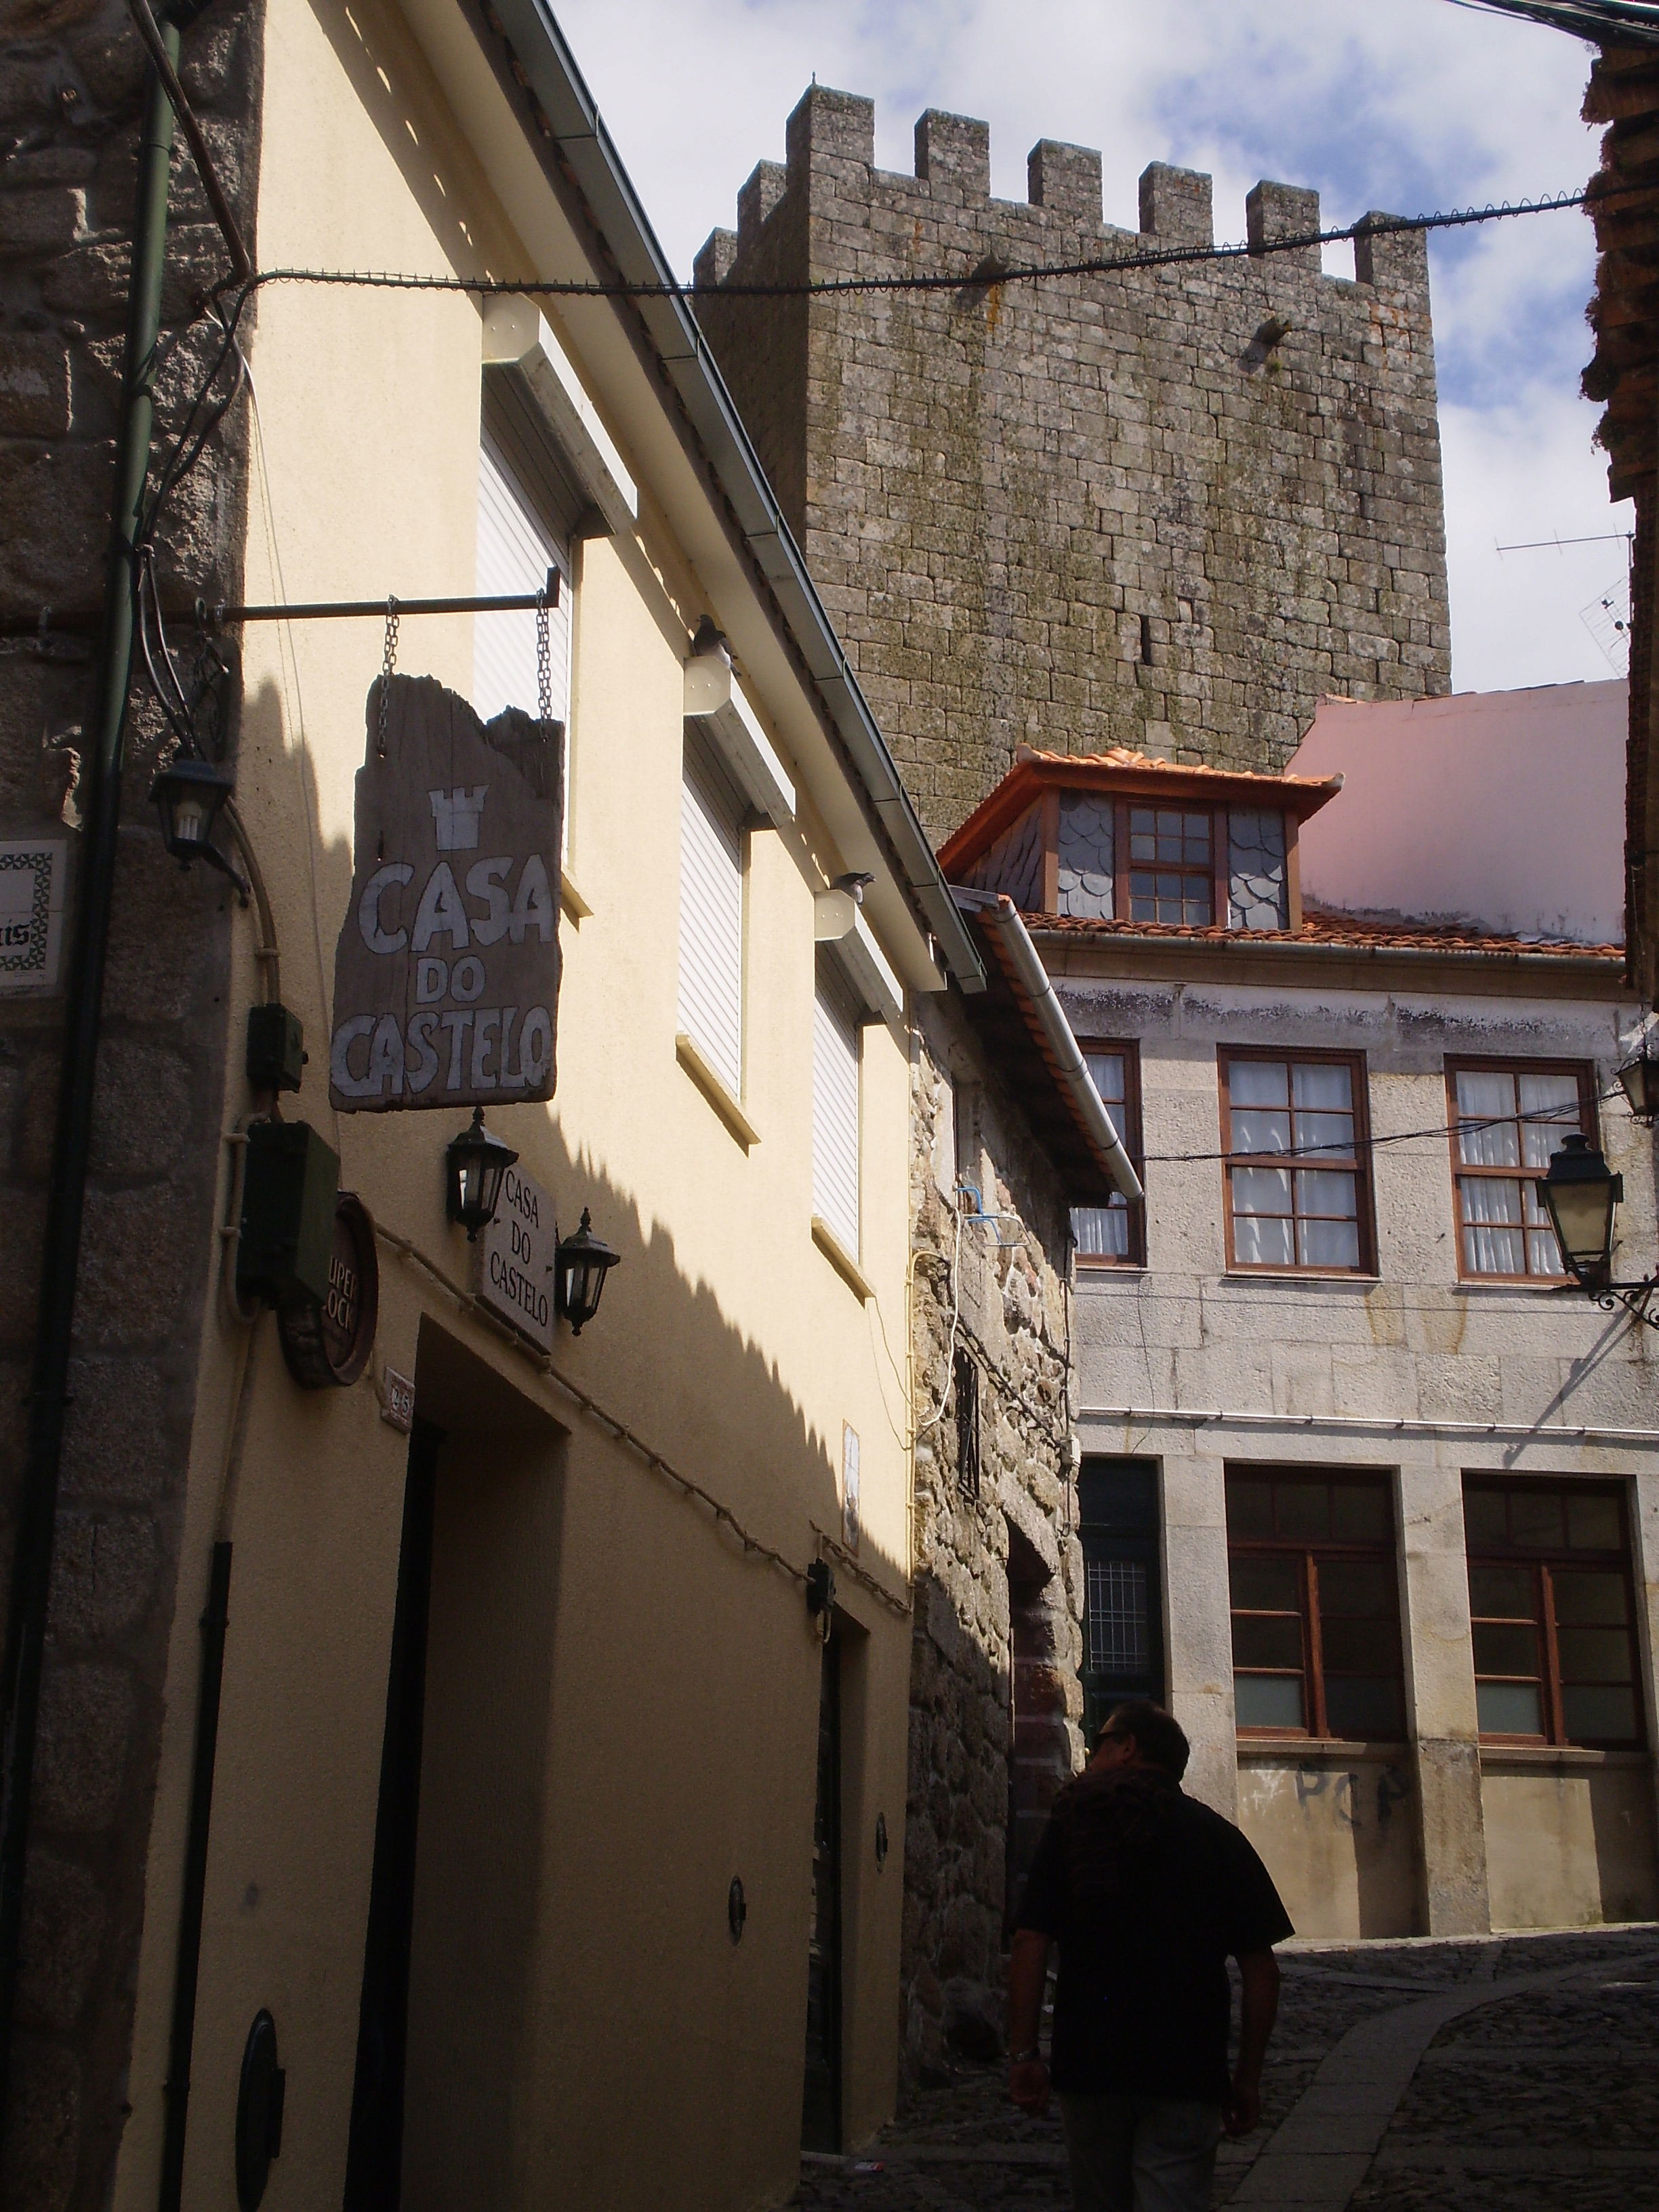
point(1166, 506)
point(831, 147)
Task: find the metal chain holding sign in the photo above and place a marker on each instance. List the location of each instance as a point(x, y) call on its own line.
point(544, 660)
point(388, 664)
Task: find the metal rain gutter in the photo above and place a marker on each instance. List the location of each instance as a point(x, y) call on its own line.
point(584, 146)
point(1005, 919)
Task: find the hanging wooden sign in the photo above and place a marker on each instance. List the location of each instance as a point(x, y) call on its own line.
point(446, 970)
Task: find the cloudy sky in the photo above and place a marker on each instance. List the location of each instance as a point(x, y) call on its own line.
point(1404, 104)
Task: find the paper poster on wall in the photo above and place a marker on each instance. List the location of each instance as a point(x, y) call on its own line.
point(446, 970)
point(849, 1487)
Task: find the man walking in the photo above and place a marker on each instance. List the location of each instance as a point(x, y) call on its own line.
point(1148, 1893)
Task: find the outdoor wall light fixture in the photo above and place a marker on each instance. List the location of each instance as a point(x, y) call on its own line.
point(583, 1262)
point(1640, 1078)
point(1581, 1194)
point(475, 1163)
point(189, 795)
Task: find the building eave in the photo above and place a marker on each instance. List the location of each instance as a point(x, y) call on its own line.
point(575, 151)
point(1248, 958)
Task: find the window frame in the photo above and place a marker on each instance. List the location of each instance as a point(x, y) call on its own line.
point(1128, 1531)
point(1384, 1551)
point(965, 1384)
point(1216, 874)
point(1135, 1145)
point(703, 772)
point(1359, 1164)
point(833, 991)
point(1492, 1064)
point(1543, 1562)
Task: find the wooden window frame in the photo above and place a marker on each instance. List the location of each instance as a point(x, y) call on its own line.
point(1480, 1064)
point(1359, 1165)
point(1544, 1563)
point(1216, 875)
point(965, 1393)
point(1135, 1145)
point(1307, 1553)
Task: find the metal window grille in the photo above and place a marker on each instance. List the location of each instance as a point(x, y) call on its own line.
point(965, 1383)
point(1118, 1627)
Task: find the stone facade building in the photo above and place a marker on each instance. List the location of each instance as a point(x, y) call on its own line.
point(1368, 1488)
point(995, 1696)
point(1168, 509)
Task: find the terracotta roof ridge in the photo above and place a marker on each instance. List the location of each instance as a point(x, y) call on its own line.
point(1122, 756)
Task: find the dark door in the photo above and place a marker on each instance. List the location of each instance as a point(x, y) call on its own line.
point(1123, 1617)
point(820, 2127)
point(375, 2155)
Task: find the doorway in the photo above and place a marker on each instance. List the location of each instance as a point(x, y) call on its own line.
point(454, 1981)
point(373, 2180)
point(820, 2127)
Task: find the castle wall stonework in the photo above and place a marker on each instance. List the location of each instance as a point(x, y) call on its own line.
point(1168, 508)
point(71, 83)
point(995, 1699)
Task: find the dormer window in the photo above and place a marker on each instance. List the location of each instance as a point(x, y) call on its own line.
point(1171, 866)
point(1120, 838)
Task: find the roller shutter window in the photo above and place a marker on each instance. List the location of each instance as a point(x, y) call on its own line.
point(516, 549)
point(711, 912)
point(836, 1106)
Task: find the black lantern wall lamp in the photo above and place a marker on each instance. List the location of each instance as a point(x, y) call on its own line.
point(1580, 1194)
point(583, 1262)
point(476, 1166)
point(190, 795)
point(1640, 1079)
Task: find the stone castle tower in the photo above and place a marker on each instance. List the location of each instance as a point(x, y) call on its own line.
point(1168, 509)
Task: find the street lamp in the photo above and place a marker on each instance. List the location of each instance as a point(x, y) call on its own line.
point(583, 1262)
point(1580, 1194)
point(476, 1161)
point(189, 795)
point(1640, 1078)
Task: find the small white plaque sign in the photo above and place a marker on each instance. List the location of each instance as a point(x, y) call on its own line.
point(518, 1250)
point(31, 912)
point(851, 1520)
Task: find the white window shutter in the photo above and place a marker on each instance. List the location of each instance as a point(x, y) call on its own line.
point(836, 1108)
point(515, 550)
point(711, 916)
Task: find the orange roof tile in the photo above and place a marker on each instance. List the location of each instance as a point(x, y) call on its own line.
point(1322, 929)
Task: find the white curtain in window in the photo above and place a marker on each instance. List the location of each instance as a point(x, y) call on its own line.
point(711, 917)
point(515, 551)
point(835, 1110)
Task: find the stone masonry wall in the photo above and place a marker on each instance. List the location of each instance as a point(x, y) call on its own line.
point(1170, 509)
point(995, 1692)
point(70, 84)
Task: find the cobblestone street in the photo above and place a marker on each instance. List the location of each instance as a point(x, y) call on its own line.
point(1517, 2072)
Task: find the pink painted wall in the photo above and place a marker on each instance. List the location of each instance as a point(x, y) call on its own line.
point(1500, 808)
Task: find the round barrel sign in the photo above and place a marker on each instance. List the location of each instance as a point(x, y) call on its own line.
point(328, 1344)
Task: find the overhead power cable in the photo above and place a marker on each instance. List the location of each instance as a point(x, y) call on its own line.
point(982, 277)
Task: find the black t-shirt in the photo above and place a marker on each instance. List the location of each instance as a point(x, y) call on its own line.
point(1147, 1894)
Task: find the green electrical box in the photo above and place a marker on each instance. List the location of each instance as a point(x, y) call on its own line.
point(290, 1185)
point(276, 1048)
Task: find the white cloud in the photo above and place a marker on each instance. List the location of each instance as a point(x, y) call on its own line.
point(1410, 106)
